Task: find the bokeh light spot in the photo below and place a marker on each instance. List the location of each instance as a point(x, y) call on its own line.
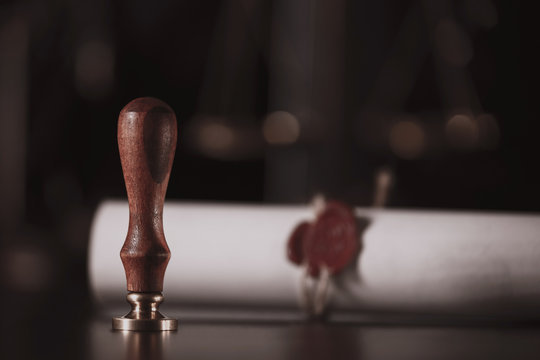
point(215, 137)
point(462, 131)
point(407, 139)
point(281, 128)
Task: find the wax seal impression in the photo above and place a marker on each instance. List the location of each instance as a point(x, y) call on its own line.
point(323, 247)
point(331, 241)
point(295, 244)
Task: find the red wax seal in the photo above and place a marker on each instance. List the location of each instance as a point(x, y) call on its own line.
point(295, 245)
point(331, 241)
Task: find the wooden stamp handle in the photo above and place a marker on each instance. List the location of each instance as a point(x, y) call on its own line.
point(147, 142)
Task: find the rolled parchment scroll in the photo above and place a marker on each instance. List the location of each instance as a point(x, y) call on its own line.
point(416, 262)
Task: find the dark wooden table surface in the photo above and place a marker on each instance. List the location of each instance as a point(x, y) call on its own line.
point(64, 324)
point(314, 341)
point(76, 336)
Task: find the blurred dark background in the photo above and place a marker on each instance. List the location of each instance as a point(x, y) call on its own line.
point(416, 104)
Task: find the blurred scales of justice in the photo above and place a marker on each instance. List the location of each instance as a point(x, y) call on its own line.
point(233, 257)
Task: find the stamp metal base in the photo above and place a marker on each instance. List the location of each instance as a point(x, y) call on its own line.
point(144, 314)
point(127, 324)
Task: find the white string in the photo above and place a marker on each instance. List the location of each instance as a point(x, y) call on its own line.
point(315, 292)
point(322, 291)
point(305, 293)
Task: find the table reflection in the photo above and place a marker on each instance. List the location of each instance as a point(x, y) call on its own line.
point(144, 345)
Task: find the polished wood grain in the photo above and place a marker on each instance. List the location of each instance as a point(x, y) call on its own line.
point(147, 133)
